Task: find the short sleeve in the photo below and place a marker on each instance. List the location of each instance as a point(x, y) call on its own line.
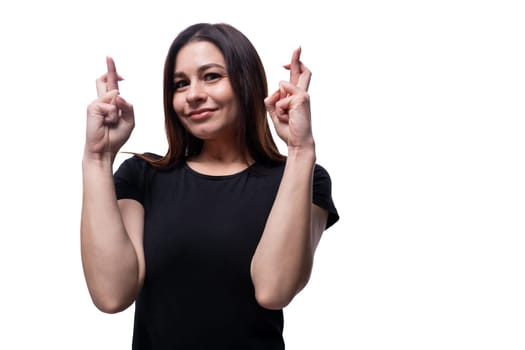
point(129, 179)
point(322, 194)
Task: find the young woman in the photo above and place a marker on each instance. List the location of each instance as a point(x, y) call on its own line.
point(212, 240)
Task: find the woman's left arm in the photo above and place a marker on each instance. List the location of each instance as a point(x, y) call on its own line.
point(283, 260)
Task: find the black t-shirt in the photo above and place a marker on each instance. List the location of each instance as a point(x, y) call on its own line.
point(200, 233)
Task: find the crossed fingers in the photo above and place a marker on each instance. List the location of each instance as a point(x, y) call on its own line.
point(108, 82)
point(300, 75)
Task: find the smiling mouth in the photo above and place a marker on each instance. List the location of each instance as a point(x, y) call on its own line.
point(201, 113)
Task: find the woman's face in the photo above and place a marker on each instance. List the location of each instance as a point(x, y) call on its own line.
point(203, 97)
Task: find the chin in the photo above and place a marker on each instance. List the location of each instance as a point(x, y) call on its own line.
point(202, 134)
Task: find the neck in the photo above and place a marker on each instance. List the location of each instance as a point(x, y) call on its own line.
point(219, 159)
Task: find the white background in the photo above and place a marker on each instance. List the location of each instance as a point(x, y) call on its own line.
point(418, 112)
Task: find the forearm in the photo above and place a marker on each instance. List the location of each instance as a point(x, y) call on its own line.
point(109, 259)
point(283, 260)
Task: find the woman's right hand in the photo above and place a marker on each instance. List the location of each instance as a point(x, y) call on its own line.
point(110, 119)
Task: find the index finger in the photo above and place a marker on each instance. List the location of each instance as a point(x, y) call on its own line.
point(295, 66)
point(304, 78)
point(112, 76)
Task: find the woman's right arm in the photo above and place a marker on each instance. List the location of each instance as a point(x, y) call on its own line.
point(111, 231)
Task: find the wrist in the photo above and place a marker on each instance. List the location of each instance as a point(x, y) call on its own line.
point(305, 152)
point(98, 160)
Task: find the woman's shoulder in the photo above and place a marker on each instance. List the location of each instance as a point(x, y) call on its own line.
point(146, 159)
point(321, 171)
point(262, 168)
point(144, 163)
point(277, 168)
point(136, 160)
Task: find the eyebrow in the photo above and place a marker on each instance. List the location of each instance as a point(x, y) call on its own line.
point(200, 69)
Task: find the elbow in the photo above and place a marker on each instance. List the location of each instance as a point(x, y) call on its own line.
point(111, 305)
point(275, 288)
point(278, 297)
point(272, 301)
point(111, 298)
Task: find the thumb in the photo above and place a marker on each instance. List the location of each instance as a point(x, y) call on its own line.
point(126, 108)
point(271, 100)
point(109, 97)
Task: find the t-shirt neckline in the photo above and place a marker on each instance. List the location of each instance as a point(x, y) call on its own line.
point(192, 171)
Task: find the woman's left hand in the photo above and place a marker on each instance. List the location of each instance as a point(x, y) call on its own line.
point(289, 107)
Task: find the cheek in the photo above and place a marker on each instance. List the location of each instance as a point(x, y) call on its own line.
point(178, 104)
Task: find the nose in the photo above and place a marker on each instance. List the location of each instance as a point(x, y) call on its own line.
point(196, 93)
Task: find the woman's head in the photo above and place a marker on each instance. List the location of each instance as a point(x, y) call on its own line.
point(248, 82)
point(203, 97)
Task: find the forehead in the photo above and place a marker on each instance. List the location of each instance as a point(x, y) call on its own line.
point(196, 54)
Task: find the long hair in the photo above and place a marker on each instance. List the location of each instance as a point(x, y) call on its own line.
point(248, 79)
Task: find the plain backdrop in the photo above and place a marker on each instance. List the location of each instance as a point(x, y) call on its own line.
point(418, 115)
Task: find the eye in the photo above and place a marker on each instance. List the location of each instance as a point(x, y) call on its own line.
point(179, 84)
point(211, 76)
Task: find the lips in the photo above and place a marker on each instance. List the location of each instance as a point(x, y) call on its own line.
point(201, 113)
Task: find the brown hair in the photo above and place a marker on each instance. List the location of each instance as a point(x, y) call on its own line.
point(248, 79)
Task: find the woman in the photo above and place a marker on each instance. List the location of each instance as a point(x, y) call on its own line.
point(212, 240)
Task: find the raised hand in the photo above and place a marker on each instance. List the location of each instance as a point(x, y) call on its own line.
point(289, 106)
point(110, 119)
